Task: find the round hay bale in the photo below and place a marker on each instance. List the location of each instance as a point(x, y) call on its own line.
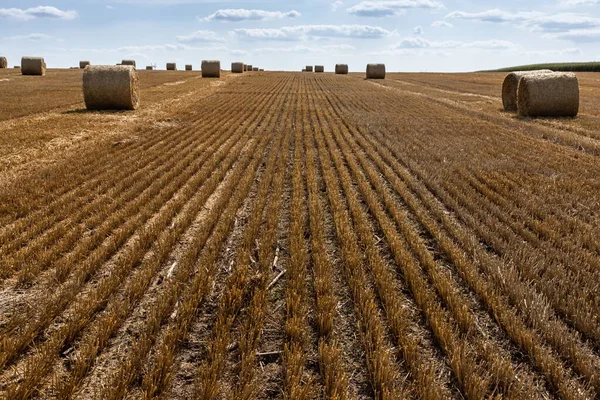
point(255, 69)
point(319, 68)
point(171, 67)
point(128, 62)
point(237, 67)
point(188, 67)
point(510, 84)
point(261, 70)
point(341, 69)
point(303, 69)
point(211, 69)
point(309, 68)
point(107, 87)
point(3, 62)
point(375, 71)
point(548, 95)
point(149, 68)
point(83, 64)
point(249, 67)
point(33, 66)
point(17, 67)
point(245, 67)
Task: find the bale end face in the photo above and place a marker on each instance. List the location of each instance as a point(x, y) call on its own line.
point(376, 71)
point(211, 69)
point(548, 95)
point(510, 84)
point(108, 87)
point(3, 62)
point(83, 64)
point(341, 69)
point(33, 66)
point(319, 68)
point(171, 67)
point(237, 67)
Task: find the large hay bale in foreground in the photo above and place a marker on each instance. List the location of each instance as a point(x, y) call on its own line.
point(309, 68)
point(33, 66)
point(3, 62)
point(510, 84)
point(319, 68)
point(128, 62)
point(237, 67)
point(375, 71)
point(548, 95)
point(211, 69)
point(341, 69)
point(188, 67)
point(83, 64)
point(107, 87)
point(171, 67)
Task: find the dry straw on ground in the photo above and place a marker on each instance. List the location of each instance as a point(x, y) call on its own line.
point(341, 69)
point(171, 67)
point(510, 84)
point(33, 66)
point(128, 62)
point(109, 87)
point(237, 67)
point(319, 68)
point(188, 67)
point(83, 64)
point(3, 62)
point(548, 95)
point(375, 71)
point(211, 69)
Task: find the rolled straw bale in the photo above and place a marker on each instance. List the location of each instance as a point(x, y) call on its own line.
point(83, 64)
point(510, 84)
point(149, 68)
point(17, 67)
point(303, 69)
point(548, 95)
point(211, 69)
point(261, 70)
point(309, 68)
point(245, 67)
point(341, 69)
point(3, 62)
point(171, 67)
point(255, 69)
point(249, 67)
point(128, 62)
point(237, 67)
point(107, 87)
point(319, 68)
point(375, 71)
point(33, 66)
point(188, 67)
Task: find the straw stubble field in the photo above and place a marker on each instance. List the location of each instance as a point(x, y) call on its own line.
point(289, 235)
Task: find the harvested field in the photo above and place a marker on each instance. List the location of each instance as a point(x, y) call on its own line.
point(303, 236)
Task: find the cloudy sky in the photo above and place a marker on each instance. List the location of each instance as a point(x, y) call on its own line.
point(407, 35)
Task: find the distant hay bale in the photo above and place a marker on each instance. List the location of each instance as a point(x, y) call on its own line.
point(17, 67)
point(548, 95)
point(188, 67)
point(128, 62)
point(319, 68)
point(107, 87)
point(255, 69)
point(341, 69)
point(171, 67)
point(309, 68)
point(375, 71)
point(33, 66)
point(237, 67)
point(261, 70)
point(303, 69)
point(3, 62)
point(83, 64)
point(211, 69)
point(245, 67)
point(149, 68)
point(249, 67)
point(510, 84)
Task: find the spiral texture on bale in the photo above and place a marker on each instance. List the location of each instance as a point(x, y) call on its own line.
point(548, 95)
point(375, 71)
point(510, 84)
point(211, 69)
point(107, 87)
point(341, 69)
point(33, 66)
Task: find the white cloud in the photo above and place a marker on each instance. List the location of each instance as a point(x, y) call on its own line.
point(535, 21)
point(577, 35)
point(563, 52)
point(109, 7)
point(418, 30)
point(421, 43)
point(441, 24)
point(381, 9)
point(330, 49)
point(238, 15)
point(200, 37)
point(579, 2)
point(37, 12)
point(34, 37)
point(300, 32)
point(336, 4)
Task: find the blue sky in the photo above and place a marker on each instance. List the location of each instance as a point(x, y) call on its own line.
point(407, 35)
